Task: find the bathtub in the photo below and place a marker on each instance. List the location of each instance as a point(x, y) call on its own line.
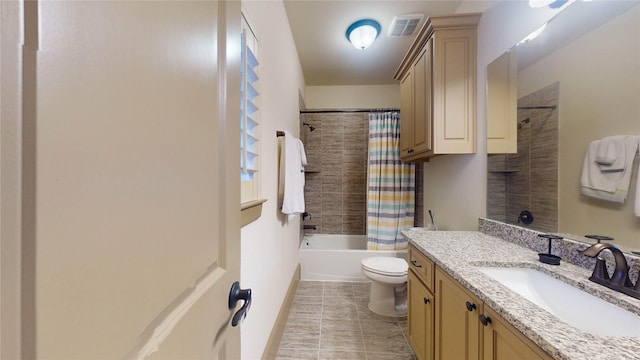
point(337, 257)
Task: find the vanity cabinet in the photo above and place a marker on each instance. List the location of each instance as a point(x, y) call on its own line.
point(420, 329)
point(447, 321)
point(503, 342)
point(438, 89)
point(458, 329)
point(420, 319)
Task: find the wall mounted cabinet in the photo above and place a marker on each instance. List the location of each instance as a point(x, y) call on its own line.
point(502, 102)
point(438, 89)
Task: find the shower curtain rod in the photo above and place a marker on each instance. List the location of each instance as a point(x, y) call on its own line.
point(324, 111)
point(551, 107)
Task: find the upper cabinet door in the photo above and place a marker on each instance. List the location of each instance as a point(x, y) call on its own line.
point(422, 109)
point(454, 91)
point(502, 98)
point(406, 114)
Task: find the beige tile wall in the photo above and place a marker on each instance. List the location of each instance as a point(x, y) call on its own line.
point(419, 218)
point(336, 178)
point(533, 185)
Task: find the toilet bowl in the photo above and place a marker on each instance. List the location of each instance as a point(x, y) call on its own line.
point(388, 277)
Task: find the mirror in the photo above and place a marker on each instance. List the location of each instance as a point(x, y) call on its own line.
point(578, 81)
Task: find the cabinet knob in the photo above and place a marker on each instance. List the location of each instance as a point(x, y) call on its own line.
point(470, 306)
point(485, 320)
point(415, 263)
point(409, 151)
point(426, 301)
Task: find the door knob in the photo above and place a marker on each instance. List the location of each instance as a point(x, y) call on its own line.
point(236, 294)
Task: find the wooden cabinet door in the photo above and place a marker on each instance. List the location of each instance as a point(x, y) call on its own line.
point(458, 332)
point(422, 108)
point(421, 321)
point(454, 91)
point(504, 342)
point(406, 115)
point(502, 99)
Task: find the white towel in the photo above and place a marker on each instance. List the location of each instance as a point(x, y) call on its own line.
point(610, 155)
point(611, 186)
point(303, 160)
point(291, 184)
point(303, 154)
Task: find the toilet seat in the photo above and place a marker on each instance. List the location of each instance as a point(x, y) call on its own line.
point(387, 266)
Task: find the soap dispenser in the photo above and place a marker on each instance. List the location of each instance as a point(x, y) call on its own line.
point(548, 258)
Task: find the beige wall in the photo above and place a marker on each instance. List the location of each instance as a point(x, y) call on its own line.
point(605, 57)
point(352, 97)
point(270, 244)
point(10, 122)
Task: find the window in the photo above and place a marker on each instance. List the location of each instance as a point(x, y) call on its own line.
point(249, 113)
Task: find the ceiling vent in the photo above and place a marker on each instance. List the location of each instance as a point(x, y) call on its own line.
point(404, 25)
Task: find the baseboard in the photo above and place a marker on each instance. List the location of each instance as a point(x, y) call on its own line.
point(271, 350)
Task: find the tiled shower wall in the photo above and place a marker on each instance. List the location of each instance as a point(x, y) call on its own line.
point(528, 180)
point(336, 177)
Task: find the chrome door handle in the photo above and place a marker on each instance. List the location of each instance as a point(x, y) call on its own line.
point(236, 294)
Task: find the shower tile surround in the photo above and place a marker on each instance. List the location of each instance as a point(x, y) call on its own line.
point(331, 320)
point(534, 183)
point(335, 180)
point(336, 177)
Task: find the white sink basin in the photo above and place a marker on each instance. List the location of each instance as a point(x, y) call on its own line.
point(573, 306)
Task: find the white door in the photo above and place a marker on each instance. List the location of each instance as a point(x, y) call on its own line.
point(131, 179)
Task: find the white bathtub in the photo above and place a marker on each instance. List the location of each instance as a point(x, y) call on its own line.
point(337, 257)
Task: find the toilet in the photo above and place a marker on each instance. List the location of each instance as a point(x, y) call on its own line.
point(388, 277)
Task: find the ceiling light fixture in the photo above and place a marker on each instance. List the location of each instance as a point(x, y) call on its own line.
point(363, 33)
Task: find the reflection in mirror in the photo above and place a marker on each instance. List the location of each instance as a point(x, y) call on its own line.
point(577, 82)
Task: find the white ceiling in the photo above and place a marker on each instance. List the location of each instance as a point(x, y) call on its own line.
point(327, 58)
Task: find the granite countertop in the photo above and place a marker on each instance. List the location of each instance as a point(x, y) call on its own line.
point(459, 253)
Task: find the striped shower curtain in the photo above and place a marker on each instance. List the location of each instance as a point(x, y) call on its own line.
point(390, 185)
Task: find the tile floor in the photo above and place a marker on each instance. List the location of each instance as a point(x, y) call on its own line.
point(331, 320)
